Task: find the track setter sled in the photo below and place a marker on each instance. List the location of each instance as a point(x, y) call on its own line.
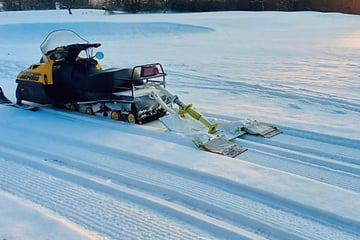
point(70, 76)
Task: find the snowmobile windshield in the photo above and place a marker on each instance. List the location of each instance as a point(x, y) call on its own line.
point(60, 38)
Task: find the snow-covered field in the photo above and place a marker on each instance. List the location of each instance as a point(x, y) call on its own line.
point(69, 176)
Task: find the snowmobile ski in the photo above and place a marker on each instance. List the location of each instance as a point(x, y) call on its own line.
point(25, 107)
point(3, 98)
point(22, 106)
point(6, 102)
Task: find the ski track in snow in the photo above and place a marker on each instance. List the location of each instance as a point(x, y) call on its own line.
point(205, 201)
point(280, 91)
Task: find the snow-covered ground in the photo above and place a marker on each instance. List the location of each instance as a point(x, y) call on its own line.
point(70, 176)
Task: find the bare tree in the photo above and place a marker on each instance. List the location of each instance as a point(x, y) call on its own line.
point(258, 5)
point(164, 4)
point(69, 6)
point(132, 5)
point(14, 4)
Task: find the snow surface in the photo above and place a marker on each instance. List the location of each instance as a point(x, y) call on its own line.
point(69, 176)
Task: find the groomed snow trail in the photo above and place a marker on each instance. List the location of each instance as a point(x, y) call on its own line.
point(105, 188)
point(113, 180)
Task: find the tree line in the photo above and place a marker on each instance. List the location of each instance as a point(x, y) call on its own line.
point(345, 6)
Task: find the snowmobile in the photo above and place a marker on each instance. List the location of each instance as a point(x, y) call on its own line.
point(69, 75)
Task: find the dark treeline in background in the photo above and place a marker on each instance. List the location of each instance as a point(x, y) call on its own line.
point(345, 6)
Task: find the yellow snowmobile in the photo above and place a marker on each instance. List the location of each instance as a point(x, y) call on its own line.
point(69, 75)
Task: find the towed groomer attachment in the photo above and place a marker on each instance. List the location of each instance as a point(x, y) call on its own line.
point(185, 109)
point(219, 137)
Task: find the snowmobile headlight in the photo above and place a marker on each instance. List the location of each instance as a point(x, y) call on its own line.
point(99, 55)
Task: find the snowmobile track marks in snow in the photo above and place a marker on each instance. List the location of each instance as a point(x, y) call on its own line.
point(113, 209)
point(233, 213)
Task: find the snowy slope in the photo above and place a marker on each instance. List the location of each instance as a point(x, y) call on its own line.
point(90, 178)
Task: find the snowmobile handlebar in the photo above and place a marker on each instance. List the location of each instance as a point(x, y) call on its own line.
point(74, 49)
point(81, 46)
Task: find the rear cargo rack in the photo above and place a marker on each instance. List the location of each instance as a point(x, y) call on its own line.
point(150, 73)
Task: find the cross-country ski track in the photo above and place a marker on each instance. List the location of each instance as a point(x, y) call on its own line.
point(92, 183)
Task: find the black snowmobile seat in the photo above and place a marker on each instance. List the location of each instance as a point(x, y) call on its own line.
point(115, 78)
